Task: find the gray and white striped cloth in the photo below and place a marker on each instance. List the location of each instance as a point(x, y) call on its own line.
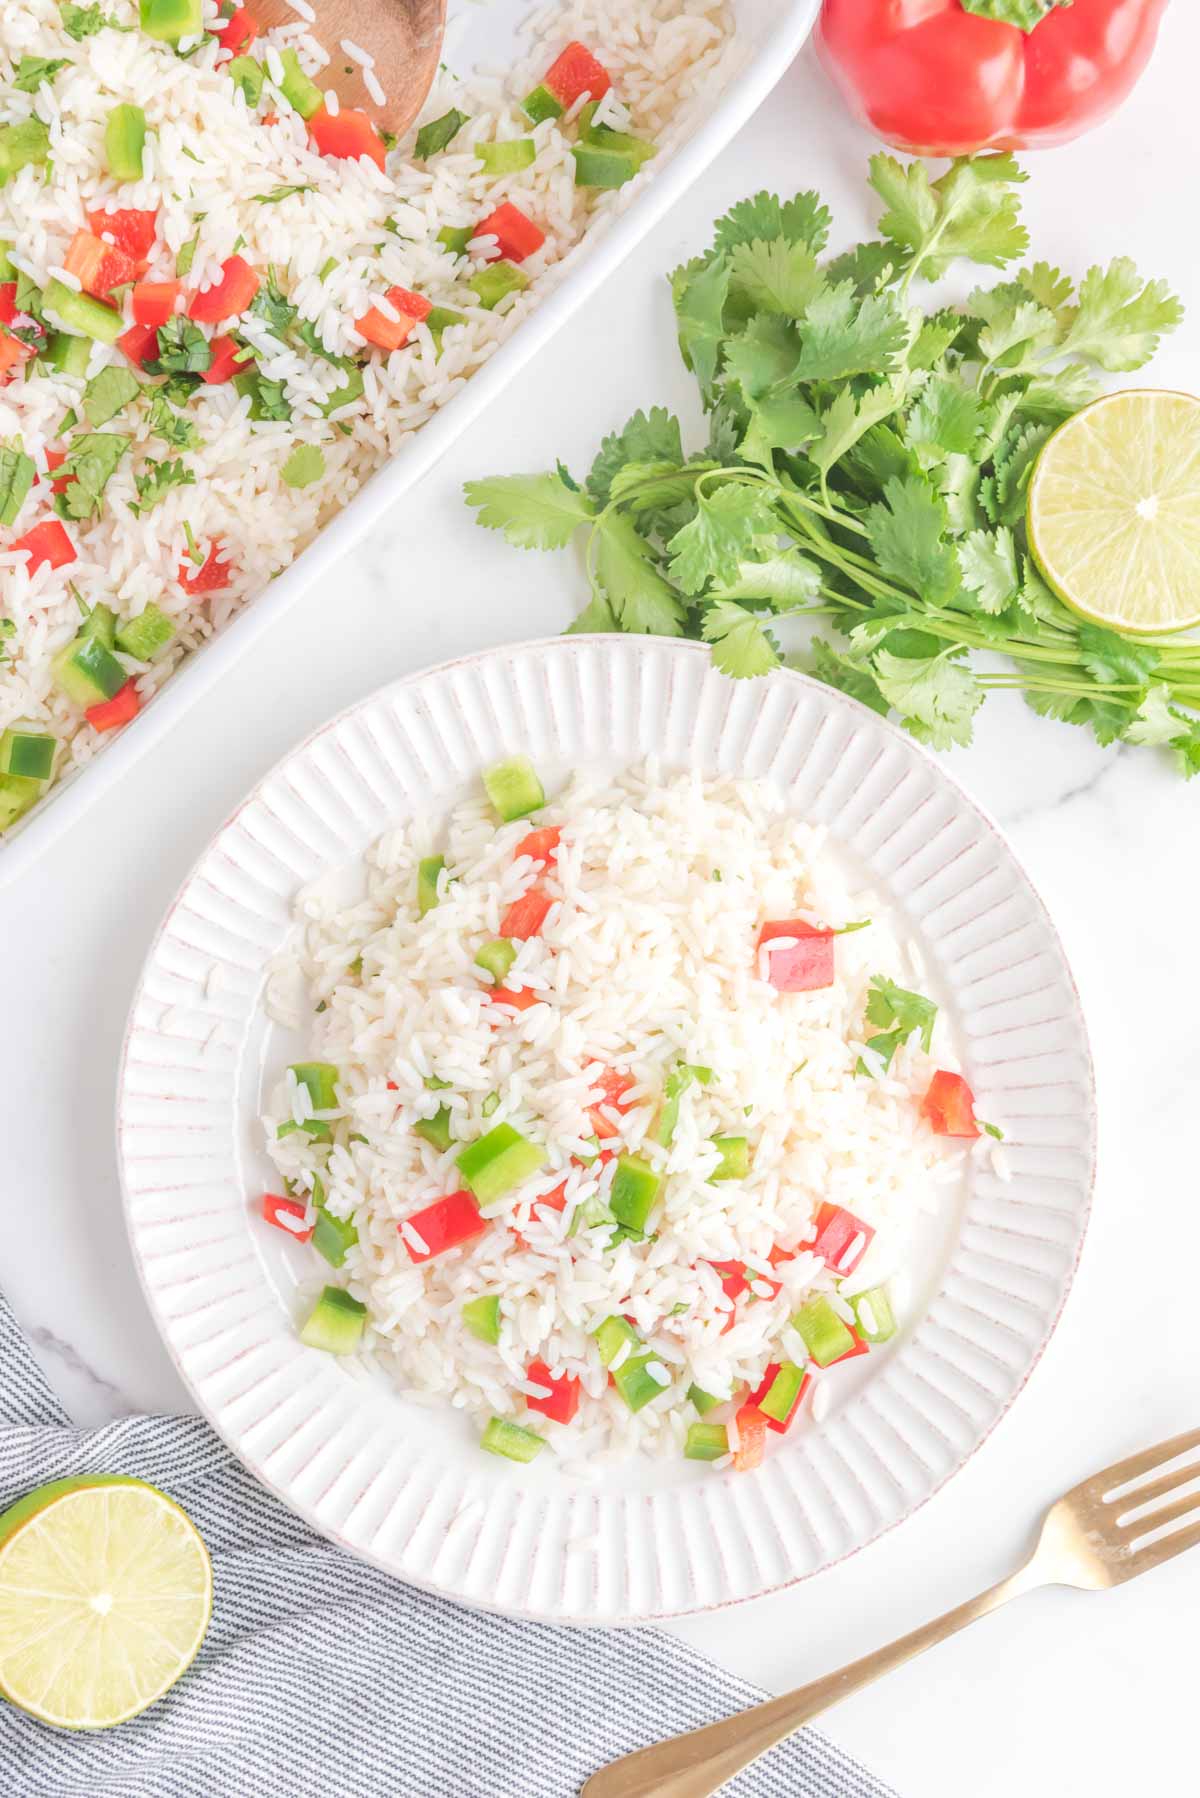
point(323, 1678)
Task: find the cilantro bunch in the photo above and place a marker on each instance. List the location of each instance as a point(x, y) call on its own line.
point(867, 465)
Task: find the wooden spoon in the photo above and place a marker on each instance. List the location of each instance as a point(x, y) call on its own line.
point(404, 37)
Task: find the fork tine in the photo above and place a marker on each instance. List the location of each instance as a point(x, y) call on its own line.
point(1170, 1482)
point(1142, 1526)
point(1165, 1549)
point(1146, 1462)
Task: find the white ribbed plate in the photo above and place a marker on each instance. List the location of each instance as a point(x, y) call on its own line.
point(405, 1485)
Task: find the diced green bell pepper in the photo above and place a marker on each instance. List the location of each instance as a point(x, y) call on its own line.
point(336, 1322)
point(249, 76)
point(333, 1236)
point(541, 104)
point(27, 753)
point(706, 1442)
point(595, 167)
point(735, 1158)
point(633, 1193)
point(142, 637)
point(317, 1128)
point(21, 145)
point(170, 20)
point(87, 671)
point(822, 1331)
point(605, 137)
point(511, 1441)
point(779, 1400)
point(456, 238)
point(496, 1163)
point(436, 1130)
point(101, 622)
point(8, 269)
point(482, 1317)
point(296, 87)
point(496, 958)
point(514, 788)
point(703, 1401)
point(506, 158)
point(440, 319)
point(631, 1380)
point(428, 870)
point(125, 142)
point(81, 313)
point(494, 283)
point(874, 1315)
point(320, 1078)
point(17, 794)
point(69, 355)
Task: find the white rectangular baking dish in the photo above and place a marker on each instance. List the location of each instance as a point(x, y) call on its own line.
point(768, 35)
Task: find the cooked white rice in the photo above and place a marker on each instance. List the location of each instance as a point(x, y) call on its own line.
point(206, 159)
point(647, 958)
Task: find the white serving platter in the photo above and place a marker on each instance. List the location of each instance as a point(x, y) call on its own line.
point(406, 1486)
point(769, 34)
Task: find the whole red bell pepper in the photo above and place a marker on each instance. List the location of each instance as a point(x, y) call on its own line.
point(948, 77)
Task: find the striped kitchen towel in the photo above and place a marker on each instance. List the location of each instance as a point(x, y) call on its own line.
point(323, 1678)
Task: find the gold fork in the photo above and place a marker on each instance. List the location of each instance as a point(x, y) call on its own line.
point(1089, 1539)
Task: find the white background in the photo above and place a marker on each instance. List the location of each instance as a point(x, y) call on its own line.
point(1063, 1693)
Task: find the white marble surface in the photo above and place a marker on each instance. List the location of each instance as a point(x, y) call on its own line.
point(1063, 1693)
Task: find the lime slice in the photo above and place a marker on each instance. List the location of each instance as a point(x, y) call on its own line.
point(1114, 511)
point(105, 1595)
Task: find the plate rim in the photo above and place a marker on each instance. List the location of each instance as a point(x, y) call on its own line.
point(1088, 1113)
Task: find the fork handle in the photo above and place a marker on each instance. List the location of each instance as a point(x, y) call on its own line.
point(699, 1763)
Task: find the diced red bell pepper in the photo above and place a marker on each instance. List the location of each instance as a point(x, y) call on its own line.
point(949, 1106)
point(131, 231)
point(520, 998)
point(807, 964)
point(227, 297)
point(445, 1224)
point(238, 32)
point(842, 1239)
point(346, 134)
point(553, 1201)
point(613, 1085)
point(526, 915)
point(563, 1401)
point(13, 352)
point(55, 459)
point(516, 236)
point(576, 72)
point(733, 1277)
point(154, 301)
point(98, 266)
point(212, 576)
point(287, 1215)
point(228, 359)
point(8, 302)
point(752, 1438)
point(540, 846)
point(390, 333)
point(768, 1380)
point(110, 714)
point(140, 344)
point(46, 542)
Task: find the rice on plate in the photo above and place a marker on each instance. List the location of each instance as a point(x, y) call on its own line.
point(211, 333)
point(619, 1115)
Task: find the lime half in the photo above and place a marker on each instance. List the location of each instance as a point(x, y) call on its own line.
point(1114, 511)
point(105, 1595)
